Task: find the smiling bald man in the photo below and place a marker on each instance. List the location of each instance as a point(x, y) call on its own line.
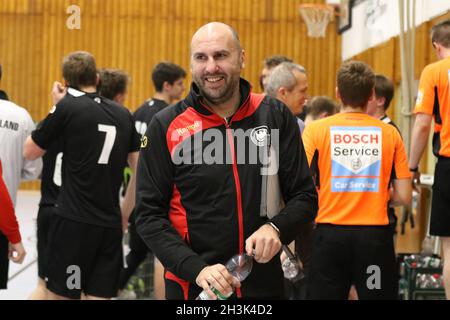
point(200, 176)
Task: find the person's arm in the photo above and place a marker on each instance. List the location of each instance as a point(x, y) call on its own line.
point(402, 193)
point(297, 187)
point(31, 151)
point(154, 187)
point(424, 110)
point(50, 128)
point(31, 169)
point(9, 226)
point(8, 221)
point(130, 194)
point(419, 140)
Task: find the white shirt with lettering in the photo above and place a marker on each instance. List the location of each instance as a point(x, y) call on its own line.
point(15, 126)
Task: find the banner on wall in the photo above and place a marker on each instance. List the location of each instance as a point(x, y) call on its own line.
point(376, 21)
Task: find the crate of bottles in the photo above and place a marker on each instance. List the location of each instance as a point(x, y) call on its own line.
point(421, 278)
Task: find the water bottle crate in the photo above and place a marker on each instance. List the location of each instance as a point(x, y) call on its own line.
point(421, 283)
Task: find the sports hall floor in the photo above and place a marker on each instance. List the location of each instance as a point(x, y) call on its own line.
point(23, 278)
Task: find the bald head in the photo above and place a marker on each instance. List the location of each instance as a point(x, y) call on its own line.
point(216, 63)
point(214, 30)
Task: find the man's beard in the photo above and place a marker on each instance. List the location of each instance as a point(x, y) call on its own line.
point(218, 96)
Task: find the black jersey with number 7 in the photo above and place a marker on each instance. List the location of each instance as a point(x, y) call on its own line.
point(97, 135)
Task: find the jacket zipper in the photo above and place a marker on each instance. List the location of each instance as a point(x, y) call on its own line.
point(238, 194)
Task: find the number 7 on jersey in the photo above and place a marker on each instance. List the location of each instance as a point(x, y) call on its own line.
point(110, 137)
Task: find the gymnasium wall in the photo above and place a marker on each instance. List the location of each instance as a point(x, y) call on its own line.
point(134, 35)
point(385, 59)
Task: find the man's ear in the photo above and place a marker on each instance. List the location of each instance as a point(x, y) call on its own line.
point(97, 79)
point(282, 92)
point(381, 101)
point(166, 86)
point(242, 59)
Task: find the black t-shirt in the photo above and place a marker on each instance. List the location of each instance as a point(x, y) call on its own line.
point(51, 179)
point(144, 114)
point(98, 135)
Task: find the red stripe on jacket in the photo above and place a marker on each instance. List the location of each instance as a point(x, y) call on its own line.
point(187, 124)
point(183, 127)
point(177, 214)
point(191, 122)
point(183, 284)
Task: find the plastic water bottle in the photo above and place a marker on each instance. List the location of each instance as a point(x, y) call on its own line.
point(292, 270)
point(239, 266)
point(292, 266)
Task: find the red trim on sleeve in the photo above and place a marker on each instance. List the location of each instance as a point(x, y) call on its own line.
point(183, 284)
point(177, 215)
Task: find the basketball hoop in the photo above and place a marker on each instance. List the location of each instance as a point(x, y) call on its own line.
point(317, 17)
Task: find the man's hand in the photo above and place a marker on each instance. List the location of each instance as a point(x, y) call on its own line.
point(58, 92)
point(217, 276)
point(415, 180)
point(16, 252)
point(263, 244)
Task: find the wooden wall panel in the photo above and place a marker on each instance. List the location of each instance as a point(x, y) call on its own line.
point(134, 35)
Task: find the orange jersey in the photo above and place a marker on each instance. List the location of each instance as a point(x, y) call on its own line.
point(353, 158)
point(433, 98)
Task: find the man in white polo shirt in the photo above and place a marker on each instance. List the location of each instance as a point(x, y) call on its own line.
point(15, 125)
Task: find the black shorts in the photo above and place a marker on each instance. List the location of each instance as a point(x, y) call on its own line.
point(440, 205)
point(83, 258)
point(4, 261)
point(43, 224)
point(346, 255)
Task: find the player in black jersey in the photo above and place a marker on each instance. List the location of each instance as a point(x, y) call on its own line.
point(85, 243)
point(168, 81)
point(114, 85)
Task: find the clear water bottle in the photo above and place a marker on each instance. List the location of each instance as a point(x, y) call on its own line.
point(292, 270)
point(239, 266)
point(292, 266)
